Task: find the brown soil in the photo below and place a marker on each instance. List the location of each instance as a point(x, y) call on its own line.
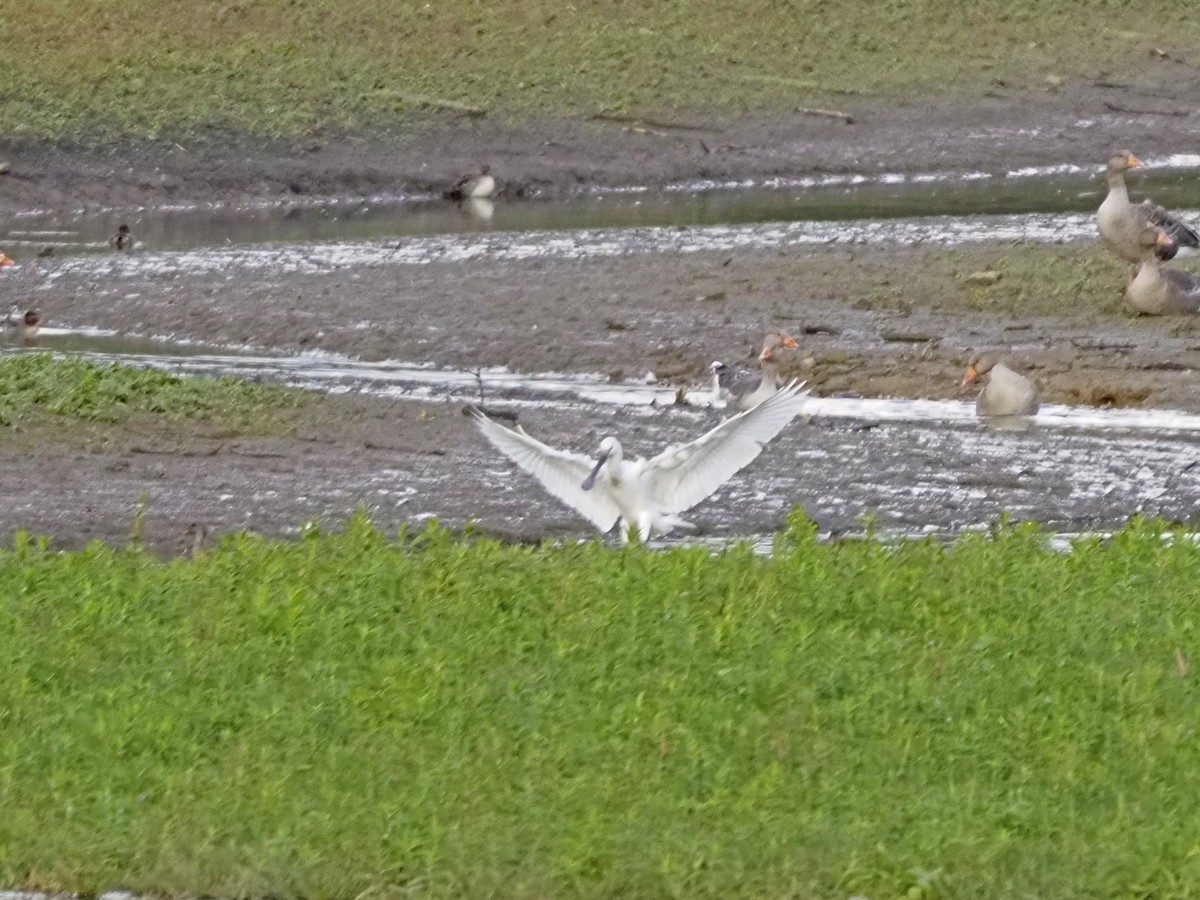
point(1002, 129)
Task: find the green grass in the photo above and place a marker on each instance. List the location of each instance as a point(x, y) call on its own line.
point(37, 384)
point(289, 66)
point(350, 715)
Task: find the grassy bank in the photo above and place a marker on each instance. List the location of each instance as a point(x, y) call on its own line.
point(36, 386)
point(286, 67)
point(354, 716)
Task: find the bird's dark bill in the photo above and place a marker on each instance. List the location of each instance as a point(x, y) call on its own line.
point(590, 481)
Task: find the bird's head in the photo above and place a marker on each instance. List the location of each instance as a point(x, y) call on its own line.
point(5, 261)
point(32, 317)
point(609, 448)
point(979, 364)
point(1123, 162)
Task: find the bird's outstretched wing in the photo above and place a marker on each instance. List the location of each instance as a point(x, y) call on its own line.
point(560, 472)
point(684, 475)
point(1181, 234)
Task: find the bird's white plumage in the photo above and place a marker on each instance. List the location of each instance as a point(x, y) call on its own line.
point(688, 473)
point(647, 494)
point(560, 472)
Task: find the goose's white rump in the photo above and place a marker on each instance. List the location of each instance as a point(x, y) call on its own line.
point(648, 494)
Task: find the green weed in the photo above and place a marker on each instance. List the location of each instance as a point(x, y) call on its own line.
point(32, 384)
point(350, 714)
point(292, 66)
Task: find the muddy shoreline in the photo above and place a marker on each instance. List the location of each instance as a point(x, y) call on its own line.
point(872, 320)
point(1001, 129)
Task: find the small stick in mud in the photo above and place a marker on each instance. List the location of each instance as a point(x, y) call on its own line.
point(826, 113)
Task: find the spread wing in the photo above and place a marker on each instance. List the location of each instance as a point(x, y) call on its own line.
point(560, 472)
point(1179, 232)
point(684, 475)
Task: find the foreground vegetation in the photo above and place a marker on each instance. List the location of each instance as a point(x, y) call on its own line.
point(288, 67)
point(35, 385)
point(352, 715)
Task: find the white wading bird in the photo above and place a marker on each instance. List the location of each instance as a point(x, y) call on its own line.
point(646, 495)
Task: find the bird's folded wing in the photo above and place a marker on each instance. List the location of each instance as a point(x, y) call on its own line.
point(743, 381)
point(1175, 229)
point(1184, 281)
point(684, 475)
point(560, 472)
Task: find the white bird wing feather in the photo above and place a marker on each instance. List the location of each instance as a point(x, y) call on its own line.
point(681, 476)
point(560, 472)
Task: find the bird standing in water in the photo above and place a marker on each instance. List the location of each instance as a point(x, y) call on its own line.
point(647, 495)
point(122, 240)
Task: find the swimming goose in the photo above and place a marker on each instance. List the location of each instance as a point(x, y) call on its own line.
point(22, 325)
point(746, 389)
point(122, 240)
point(1158, 291)
point(1121, 223)
point(647, 495)
point(1007, 393)
point(473, 187)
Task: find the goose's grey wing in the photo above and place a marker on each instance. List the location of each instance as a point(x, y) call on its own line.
point(1178, 231)
point(1187, 283)
point(743, 381)
point(560, 472)
point(686, 474)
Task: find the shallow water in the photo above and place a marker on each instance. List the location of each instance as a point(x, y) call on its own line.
point(915, 466)
point(393, 378)
point(579, 244)
point(919, 467)
point(1047, 190)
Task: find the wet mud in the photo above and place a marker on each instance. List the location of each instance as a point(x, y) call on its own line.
point(875, 315)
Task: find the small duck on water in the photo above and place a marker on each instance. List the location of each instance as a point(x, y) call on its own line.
point(473, 187)
point(122, 240)
point(1006, 393)
point(22, 326)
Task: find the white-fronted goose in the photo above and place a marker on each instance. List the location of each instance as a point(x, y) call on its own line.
point(473, 186)
point(647, 495)
point(1122, 223)
point(22, 326)
point(745, 389)
point(122, 240)
point(1006, 393)
point(1159, 291)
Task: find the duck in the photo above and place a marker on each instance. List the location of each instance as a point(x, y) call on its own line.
point(1159, 291)
point(475, 186)
point(1006, 393)
point(745, 389)
point(22, 325)
point(122, 240)
point(646, 496)
point(1121, 223)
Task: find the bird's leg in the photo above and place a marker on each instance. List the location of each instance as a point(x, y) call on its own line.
point(645, 526)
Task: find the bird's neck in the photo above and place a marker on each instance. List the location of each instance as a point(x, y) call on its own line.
point(770, 372)
point(1116, 184)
